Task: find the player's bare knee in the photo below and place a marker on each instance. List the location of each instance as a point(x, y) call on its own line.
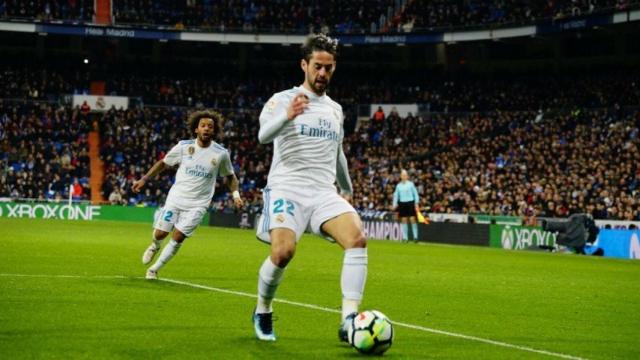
point(160, 235)
point(358, 241)
point(178, 236)
point(282, 256)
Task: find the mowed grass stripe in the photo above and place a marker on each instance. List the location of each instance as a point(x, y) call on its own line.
point(311, 306)
point(564, 304)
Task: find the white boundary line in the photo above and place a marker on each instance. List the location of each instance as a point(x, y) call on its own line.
point(314, 307)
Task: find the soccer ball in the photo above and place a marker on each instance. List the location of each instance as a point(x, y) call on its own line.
point(370, 332)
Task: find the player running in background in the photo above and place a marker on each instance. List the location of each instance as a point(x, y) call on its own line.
point(406, 200)
point(200, 161)
point(306, 128)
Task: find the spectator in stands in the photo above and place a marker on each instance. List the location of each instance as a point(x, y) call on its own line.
point(378, 116)
point(85, 108)
point(78, 191)
point(115, 198)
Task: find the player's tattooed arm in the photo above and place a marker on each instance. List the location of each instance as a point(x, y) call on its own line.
point(156, 169)
point(234, 184)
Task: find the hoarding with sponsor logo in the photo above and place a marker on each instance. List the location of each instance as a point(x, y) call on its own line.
point(519, 237)
point(83, 212)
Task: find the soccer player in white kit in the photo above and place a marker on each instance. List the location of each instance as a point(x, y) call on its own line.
point(306, 128)
point(200, 161)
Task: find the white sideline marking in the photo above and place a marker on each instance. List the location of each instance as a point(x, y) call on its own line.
point(314, 307)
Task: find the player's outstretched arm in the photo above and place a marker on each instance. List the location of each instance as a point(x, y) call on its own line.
point(234, 184)
point(275, 116)
point(342, 174)
point(156, 169)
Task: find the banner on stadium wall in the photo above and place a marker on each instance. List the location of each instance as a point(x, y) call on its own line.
point(624, 244)
point(244, 220)
point(60, 211)
point(402, 109)
point(102, 103)
point(382, 226)
point(617, 224)
point(435, 37)
point(382, 230)
point(457, 218)
point(519, 237)
point(378, 215)
point(455, 233)
point(499, 219)
point(106, 31)
point(551, 26)
point(85, 212)
point(128, 213)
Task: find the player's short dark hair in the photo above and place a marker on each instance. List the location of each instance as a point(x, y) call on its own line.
point(319, 42)
point(194, 120)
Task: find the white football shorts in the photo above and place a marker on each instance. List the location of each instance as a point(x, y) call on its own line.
point(185, 221)
point(297, 209)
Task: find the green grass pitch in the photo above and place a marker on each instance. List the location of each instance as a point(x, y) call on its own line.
point(579, 307)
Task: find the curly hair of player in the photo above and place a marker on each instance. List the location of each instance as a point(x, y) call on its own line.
point(194, 118)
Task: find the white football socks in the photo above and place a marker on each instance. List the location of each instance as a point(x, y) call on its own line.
point(167, 253)
point(269, 278)
point(353, 279)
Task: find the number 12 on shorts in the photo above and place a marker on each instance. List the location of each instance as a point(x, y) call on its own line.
point(279, 204)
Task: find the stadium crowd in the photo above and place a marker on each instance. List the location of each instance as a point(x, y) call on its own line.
point(47, 10)
point(428, 14)
point(352, 17)
point(328, 16)
point(478, 146)
point(509, 163)
point(31, 83)
point(504, 163)
point(436, 94)
point(220, 92)
point(44, 151)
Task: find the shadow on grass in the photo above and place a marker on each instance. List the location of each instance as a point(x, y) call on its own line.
point(293, 347)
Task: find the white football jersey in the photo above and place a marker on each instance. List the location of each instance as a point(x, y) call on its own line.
point(196, 176)
point(305, 151)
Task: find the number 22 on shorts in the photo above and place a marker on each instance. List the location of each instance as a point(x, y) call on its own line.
point(279, 204)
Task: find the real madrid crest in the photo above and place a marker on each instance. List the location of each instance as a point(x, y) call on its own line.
point(280, 218)
point(191, 150)
point(214, 162)
point(271, 105)
point(101, 103)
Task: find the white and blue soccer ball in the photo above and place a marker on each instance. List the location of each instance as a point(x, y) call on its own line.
point(371, 332)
